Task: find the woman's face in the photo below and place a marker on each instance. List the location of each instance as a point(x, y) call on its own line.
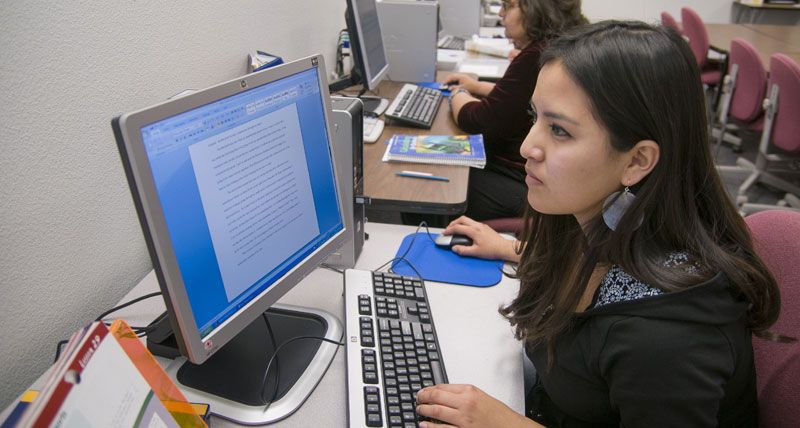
point(512, 21)
point(571, 167)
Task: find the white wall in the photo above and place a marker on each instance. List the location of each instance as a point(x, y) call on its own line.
point(70, 242)
point(712, 11)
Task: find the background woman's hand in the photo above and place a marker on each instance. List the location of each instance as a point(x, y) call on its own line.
point(465, 406)
point(461, 80)
point(486, 243)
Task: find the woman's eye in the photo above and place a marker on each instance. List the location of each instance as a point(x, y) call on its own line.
point(532, 113)
point(559, 131)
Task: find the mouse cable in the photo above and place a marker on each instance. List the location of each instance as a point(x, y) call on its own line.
point(402, 257)
point(273, 359)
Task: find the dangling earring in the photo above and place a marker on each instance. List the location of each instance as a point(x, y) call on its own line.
point(616, 205)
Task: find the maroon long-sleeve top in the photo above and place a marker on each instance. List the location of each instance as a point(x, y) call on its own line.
point(502, 116)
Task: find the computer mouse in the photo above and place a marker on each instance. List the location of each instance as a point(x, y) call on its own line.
point(451, 240)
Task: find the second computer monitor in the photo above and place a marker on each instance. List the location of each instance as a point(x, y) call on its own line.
point(369, 56)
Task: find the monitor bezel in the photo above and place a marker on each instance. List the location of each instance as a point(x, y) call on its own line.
point(140, 178)
point(359, 48)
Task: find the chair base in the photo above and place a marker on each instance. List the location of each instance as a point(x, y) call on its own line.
point(727, 137)
point(757, 173)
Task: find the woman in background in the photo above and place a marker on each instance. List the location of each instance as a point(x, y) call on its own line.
point(639, 286)
point(499, 110)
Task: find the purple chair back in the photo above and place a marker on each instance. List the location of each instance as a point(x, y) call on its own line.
point(775, 234)
point(695, 30)
point(669, 21)
point(785, 73)
point(751, 82)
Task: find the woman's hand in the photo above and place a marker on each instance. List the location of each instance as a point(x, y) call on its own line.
point(466, 406)
point(470, 83)
point(461, 80)
point(486, 243)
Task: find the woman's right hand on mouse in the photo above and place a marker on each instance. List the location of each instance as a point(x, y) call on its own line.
point(470, 83)
point(486, 243)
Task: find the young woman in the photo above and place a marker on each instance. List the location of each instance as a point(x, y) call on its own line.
point(497, 110)
point(639, 287)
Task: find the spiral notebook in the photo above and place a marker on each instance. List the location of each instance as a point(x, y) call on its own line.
point(466, 150)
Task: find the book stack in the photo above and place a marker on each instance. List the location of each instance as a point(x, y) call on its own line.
point(499, 47)
point(106, 377)
point(465, 150)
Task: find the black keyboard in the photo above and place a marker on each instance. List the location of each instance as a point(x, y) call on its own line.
point(392, 348)
point(451, 42)
point(415, 106)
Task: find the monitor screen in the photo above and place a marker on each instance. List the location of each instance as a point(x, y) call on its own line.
point(237, 195)
point(369, 56)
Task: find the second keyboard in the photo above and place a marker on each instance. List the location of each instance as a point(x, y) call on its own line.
point(415, 106)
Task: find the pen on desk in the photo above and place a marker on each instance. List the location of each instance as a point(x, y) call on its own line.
point(424, 175)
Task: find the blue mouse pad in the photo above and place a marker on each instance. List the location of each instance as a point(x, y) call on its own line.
point(434, 85)
point(442, 265)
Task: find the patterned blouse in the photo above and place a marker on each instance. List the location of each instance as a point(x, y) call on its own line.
point(619, 286)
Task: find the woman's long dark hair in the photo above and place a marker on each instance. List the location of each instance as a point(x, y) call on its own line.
point(643, 84)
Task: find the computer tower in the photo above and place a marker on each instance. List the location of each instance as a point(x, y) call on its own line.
point(409, 30)
point(347, 123)
point(460, 18)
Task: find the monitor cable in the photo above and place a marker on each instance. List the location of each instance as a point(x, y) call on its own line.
point(275, 360)
point(140, 331)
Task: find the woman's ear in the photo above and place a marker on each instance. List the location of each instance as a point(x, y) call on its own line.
point(643, 157)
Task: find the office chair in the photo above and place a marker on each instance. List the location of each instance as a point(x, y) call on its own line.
point(506, 224)
point(780, 140)
point(743, 91)
point(775, 239)
point(711, 71)
point(667, 20)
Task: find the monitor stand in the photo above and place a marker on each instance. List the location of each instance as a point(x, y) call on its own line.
point(231, 380)
point(372, 104)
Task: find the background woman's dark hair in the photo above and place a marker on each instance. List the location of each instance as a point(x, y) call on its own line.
point(643, 84)
point(546, 19)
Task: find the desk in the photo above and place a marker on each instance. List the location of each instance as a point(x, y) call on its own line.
point(755, 11)
point(789, 34)
point(721, 35)
point(391, 193)
point(477, 344)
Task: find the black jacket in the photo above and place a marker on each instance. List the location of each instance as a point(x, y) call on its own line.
point(681, 359)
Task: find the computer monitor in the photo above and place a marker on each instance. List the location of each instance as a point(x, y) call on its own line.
point(236, 194)
point(366, 47)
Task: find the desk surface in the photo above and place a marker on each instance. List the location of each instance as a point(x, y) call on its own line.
point(478, 346)
point(789, 34)
point(392, 193)
point(765, 5)
point(721, 35)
